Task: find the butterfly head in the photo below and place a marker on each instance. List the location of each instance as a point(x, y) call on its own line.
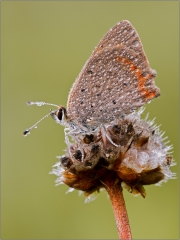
point(60, 115)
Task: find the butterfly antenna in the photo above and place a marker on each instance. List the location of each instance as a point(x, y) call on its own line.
point(27, 131)
point(39, 104)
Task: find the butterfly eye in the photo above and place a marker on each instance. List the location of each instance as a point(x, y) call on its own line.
point(61, 113)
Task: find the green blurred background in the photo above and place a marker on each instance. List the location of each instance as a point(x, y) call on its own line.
point(44, 46)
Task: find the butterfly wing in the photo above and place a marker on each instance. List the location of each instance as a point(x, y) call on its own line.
point(116, 79)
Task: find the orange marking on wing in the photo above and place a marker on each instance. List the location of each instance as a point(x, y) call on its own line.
point(119, 59)
point(141, 79)
point(133, 67)
point(126, 61)
point(151, 95)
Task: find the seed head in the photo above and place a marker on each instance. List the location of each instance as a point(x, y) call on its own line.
point(130, 151)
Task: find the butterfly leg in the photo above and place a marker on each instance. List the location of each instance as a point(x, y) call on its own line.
point(73, 133)
point(67, 140)
point(106, 136)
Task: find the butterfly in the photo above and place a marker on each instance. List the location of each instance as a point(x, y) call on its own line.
point(115, 81)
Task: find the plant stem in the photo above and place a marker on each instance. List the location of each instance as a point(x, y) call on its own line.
point(119, 208)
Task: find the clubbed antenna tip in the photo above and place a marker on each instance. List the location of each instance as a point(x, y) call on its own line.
point(26, 132)
point(29, 103)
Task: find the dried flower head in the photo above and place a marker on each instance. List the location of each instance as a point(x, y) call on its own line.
point(129, 150)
